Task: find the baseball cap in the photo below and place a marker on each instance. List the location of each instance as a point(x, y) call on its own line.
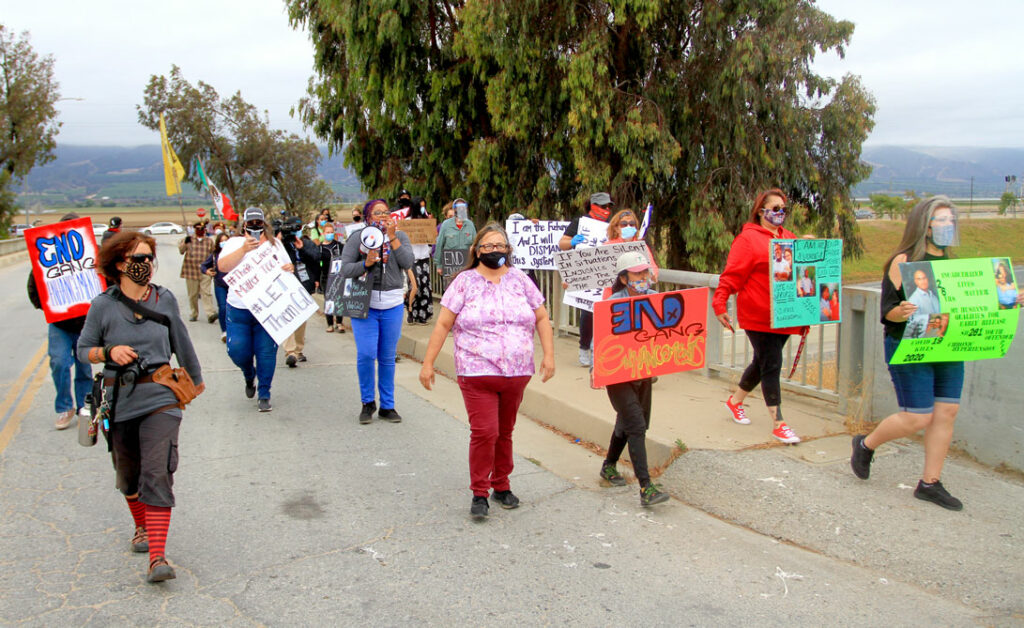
point(517, 216)
point(253, 213)
point(632, 261)
point(601, 198)
point(115, 222)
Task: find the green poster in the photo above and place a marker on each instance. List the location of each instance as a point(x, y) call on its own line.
point(806, 282)
point(966, 310)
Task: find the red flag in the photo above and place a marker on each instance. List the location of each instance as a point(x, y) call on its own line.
point(223, 202)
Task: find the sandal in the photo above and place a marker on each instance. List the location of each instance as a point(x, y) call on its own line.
point(340, 329)
point(140, 542)
point(159, 570)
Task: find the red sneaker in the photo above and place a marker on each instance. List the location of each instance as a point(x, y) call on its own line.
point(738, 413)
point(786, 435)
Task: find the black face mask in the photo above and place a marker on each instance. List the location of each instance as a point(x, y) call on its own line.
point(357, 218)
point(493, 260)
point(255, 233)
point(138, 272)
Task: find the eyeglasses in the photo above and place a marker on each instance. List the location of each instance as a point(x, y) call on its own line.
point(487, 248)
point(380, 212)
point(627, 223)
point(142, 257)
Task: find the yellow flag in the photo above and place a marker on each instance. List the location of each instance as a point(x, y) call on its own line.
point(173, 170)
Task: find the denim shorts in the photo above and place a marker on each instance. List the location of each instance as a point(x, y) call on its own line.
point(919, 386)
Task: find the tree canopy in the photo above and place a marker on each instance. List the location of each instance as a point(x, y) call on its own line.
point(532, 105)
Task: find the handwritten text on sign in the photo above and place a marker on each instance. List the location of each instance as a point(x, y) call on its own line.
point(594, 232)
point(649, 335)
point(534, 245)
point(806, 281)
point(63, 257)
point(452, 261)
point(273, 295)
point(585, 268)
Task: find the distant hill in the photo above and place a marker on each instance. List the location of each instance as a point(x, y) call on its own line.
point(940, 170)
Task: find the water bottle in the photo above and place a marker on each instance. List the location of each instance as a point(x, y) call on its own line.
point(87, 426)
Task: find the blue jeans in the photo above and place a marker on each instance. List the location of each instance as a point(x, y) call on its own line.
point(376, 345)
point(248, 340)
point(222, 305)
point(919, 386)
point(61, 347)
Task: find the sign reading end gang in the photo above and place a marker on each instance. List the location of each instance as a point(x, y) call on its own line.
point(270, 293)
point(63, 257)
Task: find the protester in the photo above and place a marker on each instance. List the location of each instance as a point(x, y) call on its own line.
point(421, 306)
point(599, 208)
point(220, 288)
point(632, 400)
point(623, 228)
point(377, 334)
point(113, 228)
point(62, 337)
point(316, 228)
point(195, 249)
point(248, 342)
point(454, 234)
point(492, 309)
point(144, 416)
point(305, 258)
point(330, 250)
point(746, 274)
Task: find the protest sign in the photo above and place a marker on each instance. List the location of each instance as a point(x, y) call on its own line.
point(534, 245)
point(582, 299)
point(452, 261)
point(419, 230)
point(806, 281)
point(594, 232)
point(271, 294)
point(585, 268)
point(964, 310)
point(63, 257)
point(346, 296)
point(352, 227)
point(649, 335)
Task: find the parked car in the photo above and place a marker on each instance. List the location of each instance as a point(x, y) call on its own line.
point(864, 213)
point(161, 228)
point(98, 229)
point(19, 229)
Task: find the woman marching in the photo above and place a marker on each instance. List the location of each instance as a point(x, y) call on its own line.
point(493, 310)
point(220, 288)
point(146, 416)
point(421, 306)
point(632, 400)
point(746, 273)
point(623, 228)
point(329, 250)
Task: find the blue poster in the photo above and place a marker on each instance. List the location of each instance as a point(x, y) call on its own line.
point(806, 282)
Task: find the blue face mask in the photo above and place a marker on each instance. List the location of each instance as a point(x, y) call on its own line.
point(628, 232)
point(943, 235)
point(329, 237)
point(298, 234)
point(222, 242)
point(323, 222)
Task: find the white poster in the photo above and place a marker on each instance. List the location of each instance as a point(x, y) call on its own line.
point(583, 299)
point(595, 232)
point(273, 295)
point(534, 245)
point(586, 268)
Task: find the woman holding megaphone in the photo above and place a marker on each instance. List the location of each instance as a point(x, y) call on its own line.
point(382, 254)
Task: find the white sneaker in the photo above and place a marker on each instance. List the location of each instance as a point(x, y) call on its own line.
point(84, 411)
point(224, 336)
point(585, 359)
point(64, 419)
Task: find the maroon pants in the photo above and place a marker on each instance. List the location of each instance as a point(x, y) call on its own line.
point(492, 402)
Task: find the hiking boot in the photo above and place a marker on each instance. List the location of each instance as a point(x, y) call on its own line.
point(250, 388)
point(739, 415)
point(140, 542)
point(785, 434)
point(159, 570)
point(291, 360)
point(612, 476)
point(64, 419)
point(937, 494)
point(585, 359)
point(389, 414)
point(366, 415)
point(652, 494)
point(860, 459)
point(479, 508)
point(507, 500)
point(263, 405)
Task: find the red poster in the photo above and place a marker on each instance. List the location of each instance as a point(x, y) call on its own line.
point(64, 257)
point(649, 335)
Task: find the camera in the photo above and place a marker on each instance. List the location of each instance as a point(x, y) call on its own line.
point(132, 372)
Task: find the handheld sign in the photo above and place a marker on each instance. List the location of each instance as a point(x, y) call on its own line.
point(965, 310)
point(583, 299)
point(452, 261)
point(649, 335)
point(534, 245)
point(594, 232)
point(63, 257)
point(586, 268)
point(806, 281)
point(420, 230)
point(346, 296)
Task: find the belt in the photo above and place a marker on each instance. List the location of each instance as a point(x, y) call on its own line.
point(144, 379)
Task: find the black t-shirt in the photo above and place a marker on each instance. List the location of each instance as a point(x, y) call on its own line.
point(574, 225)
point(891, 297)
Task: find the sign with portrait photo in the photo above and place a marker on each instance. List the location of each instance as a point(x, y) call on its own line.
point(64, 257)
point(806, 282)
point(346, 296)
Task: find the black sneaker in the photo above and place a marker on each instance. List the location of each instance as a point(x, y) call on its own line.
point(612, 476)
point(479, 508)
point(263, 405)
point(860, 459)
point(507, 500)
point(302, 357)
point(367, 413)
point(937, 494)
point(291, 360)
point(652, 494)
point(250, 388)
point(212, 318)
point(389, 414)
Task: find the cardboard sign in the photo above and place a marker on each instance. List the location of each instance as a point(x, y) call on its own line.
point(966, 310)
point(452, 261)
point(806, 282)
point(273, 295)
point(63, 257)
point(595, 232)
point(346, 296)
point(585, 268)
point(419, 230)
point(649, 335)
point(534, 245)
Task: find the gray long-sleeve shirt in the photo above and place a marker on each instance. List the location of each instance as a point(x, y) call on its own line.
point(110, 322)
point(400, 260)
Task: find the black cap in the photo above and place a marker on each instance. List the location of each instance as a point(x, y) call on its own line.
point(115, 222)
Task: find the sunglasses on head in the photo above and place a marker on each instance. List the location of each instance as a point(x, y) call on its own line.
point(142, 257)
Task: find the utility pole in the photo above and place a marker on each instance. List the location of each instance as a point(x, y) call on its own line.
point(970, 205)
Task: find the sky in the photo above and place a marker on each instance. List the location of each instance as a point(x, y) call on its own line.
point(943, 73)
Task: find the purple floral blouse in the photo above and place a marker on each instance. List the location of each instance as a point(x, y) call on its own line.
point(494, 323)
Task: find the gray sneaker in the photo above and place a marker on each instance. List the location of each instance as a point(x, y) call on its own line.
point(937, 494)
point(263, 405)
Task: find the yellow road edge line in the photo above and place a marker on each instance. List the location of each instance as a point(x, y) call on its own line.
point(20, 382)
point(26, 402)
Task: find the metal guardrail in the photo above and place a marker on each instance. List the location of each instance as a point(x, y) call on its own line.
point(14, 244)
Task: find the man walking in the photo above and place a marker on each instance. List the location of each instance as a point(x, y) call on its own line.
point(196, 248)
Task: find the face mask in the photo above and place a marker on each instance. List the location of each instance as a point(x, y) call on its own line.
point(138, 272)
point(323, 222)
point(493, 260)
point(298, 234)
point(599, 213)
point(943, 235)
point(329, 237)
point(200, 233)
point(775, 218)
point(218, 231)
point(222, 243)
point(256, 233)
point(357, 218)
point(628, 232)
point(640, 285)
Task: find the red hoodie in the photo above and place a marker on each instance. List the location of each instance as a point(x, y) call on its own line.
point(747, 274)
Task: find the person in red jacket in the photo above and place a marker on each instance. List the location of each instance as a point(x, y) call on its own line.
point(747, 274)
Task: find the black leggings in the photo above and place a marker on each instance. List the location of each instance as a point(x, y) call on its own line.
point(632, 403)
point(766, 367)
point(586, 329)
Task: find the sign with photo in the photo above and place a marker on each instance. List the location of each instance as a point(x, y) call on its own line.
point(534, 244)
point(419, 230)
point(966, 310)
point(452, 261)
point(586, 268)
point(346, 296)
point(64, 257)
point(649, 335)
point(806, 282)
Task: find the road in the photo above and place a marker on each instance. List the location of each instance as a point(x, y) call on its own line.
point(303, 517)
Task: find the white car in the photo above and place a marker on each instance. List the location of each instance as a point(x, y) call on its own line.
point(161, 228)
point(98, 229)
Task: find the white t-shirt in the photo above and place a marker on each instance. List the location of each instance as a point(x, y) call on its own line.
point(421, 251)
point(230, 246)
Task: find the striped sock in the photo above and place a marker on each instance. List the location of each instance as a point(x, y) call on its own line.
point(158, 519)
point(138, 511)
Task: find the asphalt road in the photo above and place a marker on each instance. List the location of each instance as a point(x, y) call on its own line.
point(303, 517)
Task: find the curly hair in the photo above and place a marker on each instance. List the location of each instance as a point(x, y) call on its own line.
point(118, 248)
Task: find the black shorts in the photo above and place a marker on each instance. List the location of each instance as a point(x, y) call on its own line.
point(145, 454)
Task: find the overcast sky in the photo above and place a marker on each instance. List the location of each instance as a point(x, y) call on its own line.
point(942, 72)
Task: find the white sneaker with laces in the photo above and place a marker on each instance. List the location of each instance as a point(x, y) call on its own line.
point(585, 359)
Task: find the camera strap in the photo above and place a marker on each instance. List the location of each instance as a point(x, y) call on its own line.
point(147, 313)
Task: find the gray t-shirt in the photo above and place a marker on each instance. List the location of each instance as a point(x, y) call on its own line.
point(110, 322)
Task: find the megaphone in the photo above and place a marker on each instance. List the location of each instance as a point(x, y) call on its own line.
point(371, 238)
